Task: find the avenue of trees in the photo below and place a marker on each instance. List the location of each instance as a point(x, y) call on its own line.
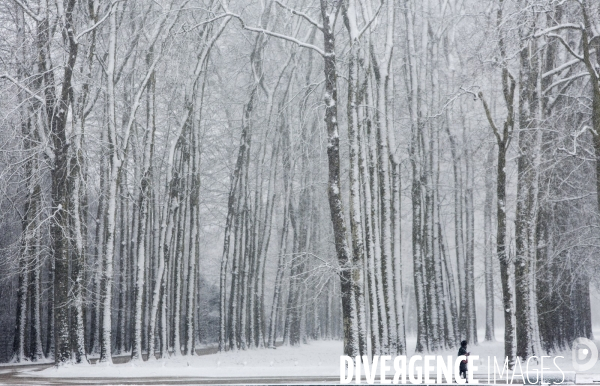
point(266, 172)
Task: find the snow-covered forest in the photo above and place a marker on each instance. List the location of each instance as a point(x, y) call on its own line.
point(251, 173)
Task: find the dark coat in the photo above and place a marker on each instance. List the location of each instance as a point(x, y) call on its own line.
point(463, 363)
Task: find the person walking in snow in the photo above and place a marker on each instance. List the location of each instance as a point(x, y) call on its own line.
point(463, 364)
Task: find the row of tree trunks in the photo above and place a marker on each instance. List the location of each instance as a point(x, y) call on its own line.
point(560, 283)
point(27, 342)
point(136, 272)
point(123, 227)
point(440, 322)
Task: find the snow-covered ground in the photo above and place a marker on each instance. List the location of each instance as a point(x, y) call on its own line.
point(320, 358)
point(27, 362)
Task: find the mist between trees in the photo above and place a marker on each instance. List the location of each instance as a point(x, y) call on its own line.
point(185, 172)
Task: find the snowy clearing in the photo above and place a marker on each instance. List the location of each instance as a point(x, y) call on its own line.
point(315, 359)
point(320, 358)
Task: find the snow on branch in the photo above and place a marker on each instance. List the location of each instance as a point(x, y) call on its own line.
point(206, 22)
point(488, 114)
point(90, 29)
point(556, 28)
point(366, 27)
point(560, 68)
point(28, 11)
point(567, 46)
point(277, 35)
point(301, 14)
point(566, 80)
point(575, 136)
point(147, 77)
point(22, 87)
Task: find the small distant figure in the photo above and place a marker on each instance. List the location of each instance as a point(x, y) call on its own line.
point(463, 364)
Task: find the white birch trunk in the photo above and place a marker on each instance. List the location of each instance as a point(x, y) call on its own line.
point(114, 163)
point(79, 265)
point(372, 288)
point(355, 213)
point(376, 239)
point(488, 249)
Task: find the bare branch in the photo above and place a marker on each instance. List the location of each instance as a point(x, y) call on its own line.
point(28, 11)
point(587, 58)
point(552, 101)
point(560, 68)
point(301, 14)
point(564, 43)
point(22, 87)
point(565, 80)
point(488, 114)
point(371, 21)
point(556, 28)
point(205, 22)
point(90, 29)
point(277, 35)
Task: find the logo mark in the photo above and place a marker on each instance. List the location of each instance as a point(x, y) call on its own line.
point(584, 354)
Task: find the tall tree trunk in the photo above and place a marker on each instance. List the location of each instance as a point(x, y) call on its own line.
point(507, 291)
point(503, 138)
point(355, 212)
point(372, 288)
point(113, 183)
point(57, 107)
point(335, 200)
point(278, 286)
point(487, 249)
point(123, 271)
point(416, 189)
point(78, 251)
point(470, 248)
point(375, 228)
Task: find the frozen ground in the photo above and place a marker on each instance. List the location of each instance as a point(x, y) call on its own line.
point(314, 359)
point(316, 362)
